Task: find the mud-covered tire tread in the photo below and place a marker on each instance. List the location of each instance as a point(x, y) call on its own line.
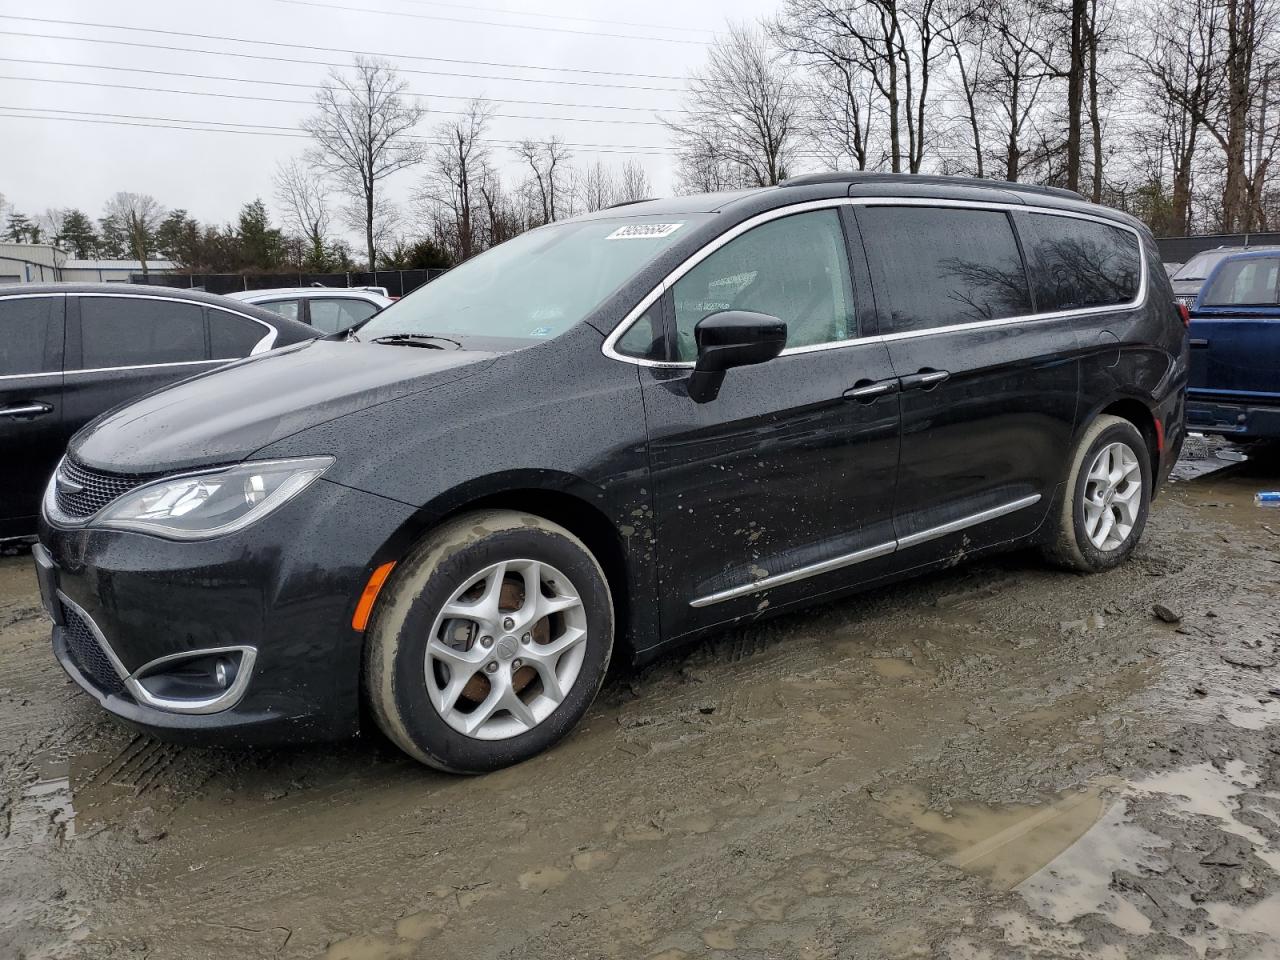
point(425, 570)
point(1067, 545)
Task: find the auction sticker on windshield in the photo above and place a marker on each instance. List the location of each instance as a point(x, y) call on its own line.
point(644, 231)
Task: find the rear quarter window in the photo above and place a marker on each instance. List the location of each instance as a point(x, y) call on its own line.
point(232, 337)
point(1078, 263)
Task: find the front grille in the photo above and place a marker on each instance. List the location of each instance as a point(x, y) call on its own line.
point(1186, 299)
point(87, 653)
point(95, 491)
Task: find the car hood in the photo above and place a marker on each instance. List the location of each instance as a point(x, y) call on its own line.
point(1182, 288)
point(225, 415)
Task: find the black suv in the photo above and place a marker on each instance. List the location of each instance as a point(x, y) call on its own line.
point(70, 351)
point(607, 436)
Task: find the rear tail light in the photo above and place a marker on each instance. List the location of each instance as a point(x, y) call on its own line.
point(1184, 312)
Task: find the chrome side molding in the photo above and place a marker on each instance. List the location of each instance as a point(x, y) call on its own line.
point(867, 553)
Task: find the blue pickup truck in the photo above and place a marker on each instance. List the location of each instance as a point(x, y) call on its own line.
point(1234, 388)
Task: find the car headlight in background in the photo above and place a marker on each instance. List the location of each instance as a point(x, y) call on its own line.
point(202, 505)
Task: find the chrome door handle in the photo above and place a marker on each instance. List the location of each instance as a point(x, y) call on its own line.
point(1199, 342)
point(925, 379)
point(870, 391)
point(25, 410)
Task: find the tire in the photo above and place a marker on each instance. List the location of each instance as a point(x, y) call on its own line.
point(456, 705)
point(1092, 507)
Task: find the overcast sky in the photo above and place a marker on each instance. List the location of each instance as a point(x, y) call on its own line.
point(68, 162)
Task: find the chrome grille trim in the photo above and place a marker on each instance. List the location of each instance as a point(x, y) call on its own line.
point(80, 492)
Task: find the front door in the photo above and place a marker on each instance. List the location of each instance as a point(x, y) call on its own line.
point(988, 402)
point(31, 438)
point(781, 487)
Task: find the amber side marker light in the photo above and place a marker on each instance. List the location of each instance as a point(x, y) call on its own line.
point(367, 599)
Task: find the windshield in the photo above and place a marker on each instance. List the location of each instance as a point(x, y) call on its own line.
point(533, 287)
point(1201, 265)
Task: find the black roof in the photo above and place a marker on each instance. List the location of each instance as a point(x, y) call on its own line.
point(299, 331)
point(920, 179)
point(740, 204)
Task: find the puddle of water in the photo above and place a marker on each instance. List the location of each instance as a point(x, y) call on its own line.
point(1061, 856)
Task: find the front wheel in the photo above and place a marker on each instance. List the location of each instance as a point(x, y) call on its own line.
point(491, 642)
point(1102, 510)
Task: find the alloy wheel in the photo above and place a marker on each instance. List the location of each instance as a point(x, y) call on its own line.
point(1112, 496)
point(506, 649)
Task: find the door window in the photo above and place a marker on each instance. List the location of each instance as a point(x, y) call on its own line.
point(1079, 263)
point(337, 314)
point(231, 337)
point(137, 331)
point(937, 267)
point(24, 325)
point(1245, 282)
point(285, 308)
point(795, 268)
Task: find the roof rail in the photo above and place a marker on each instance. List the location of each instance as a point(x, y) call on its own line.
point(863, 176)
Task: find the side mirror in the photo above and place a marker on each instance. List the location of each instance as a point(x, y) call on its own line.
point(732, 338)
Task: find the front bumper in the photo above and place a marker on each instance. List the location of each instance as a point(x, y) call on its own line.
point(285, 587)
point(1242, 420)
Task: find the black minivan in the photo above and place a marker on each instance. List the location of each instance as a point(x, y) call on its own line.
point(607, 436)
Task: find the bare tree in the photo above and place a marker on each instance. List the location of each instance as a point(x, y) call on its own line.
point(456, 162)
point(303, 197)
point(363, 133)
point(596, 187)
point(138, 216)
point(742, 108)
point(633, 183)
point(549, 163)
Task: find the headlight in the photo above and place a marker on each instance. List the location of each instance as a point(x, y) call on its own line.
point(202, 505)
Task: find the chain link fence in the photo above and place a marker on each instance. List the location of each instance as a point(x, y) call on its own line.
point(396, 282)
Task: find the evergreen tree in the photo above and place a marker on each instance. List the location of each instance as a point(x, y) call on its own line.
point(78, 235)
point(261, 245)
point(112, 242)
point(18, 228)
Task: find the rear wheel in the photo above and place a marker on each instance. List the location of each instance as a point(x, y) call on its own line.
point(491, 642)
point(1103, 508)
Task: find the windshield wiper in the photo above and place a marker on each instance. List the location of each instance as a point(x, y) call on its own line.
point(417, 340)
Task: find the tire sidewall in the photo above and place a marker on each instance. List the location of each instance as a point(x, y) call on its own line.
point(1126, 432)
point(434, 582)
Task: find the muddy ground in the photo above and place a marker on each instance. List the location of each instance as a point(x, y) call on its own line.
point(1000, 761)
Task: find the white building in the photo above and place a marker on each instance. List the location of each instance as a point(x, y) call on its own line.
point(42, 263)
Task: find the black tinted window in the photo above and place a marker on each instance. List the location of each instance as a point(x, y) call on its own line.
point(1244, 282)
point(231, 336)
point(24, 325)
point(644, 338)
point(126, 331)
point(1079, 263)
point(938, 267)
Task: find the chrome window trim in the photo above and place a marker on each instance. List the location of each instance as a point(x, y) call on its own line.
point(867, 553)
point(143, 366)
point(608, 348)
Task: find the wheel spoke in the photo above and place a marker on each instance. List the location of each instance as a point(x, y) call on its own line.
point(493, 652)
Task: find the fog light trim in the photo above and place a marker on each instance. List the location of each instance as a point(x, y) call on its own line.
point(223, 701)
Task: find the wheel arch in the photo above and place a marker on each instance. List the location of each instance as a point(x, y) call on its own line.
point(1139, 413)
point(563, 499)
